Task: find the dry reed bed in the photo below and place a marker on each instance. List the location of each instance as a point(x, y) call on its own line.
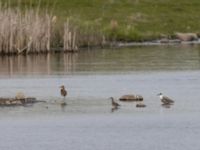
point(32, 32)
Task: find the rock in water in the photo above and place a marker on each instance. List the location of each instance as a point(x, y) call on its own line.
point(131, 98)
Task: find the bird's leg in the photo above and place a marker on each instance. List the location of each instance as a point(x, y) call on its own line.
point(64, 99)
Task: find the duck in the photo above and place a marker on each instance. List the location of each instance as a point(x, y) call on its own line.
point(165, 100)
point(114, 104)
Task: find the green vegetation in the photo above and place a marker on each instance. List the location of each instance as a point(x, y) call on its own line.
point(124, 20)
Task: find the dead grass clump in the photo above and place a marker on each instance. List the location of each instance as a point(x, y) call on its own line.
point(26, 31)
point(69, 38)
point(31, 32)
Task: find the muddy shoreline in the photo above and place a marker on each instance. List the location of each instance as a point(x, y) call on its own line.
point(116, 44)
point(119, 44)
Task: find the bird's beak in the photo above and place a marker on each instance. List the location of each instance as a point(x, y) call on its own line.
point(158, 94)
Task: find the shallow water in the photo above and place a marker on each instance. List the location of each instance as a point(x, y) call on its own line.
point(91, 77)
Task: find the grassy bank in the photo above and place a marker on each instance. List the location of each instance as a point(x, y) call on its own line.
point(126, 20)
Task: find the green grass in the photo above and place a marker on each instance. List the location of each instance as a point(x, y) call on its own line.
point(138, 20)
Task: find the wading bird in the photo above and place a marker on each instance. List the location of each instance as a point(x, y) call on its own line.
point(165, 100)
point(114, 104)
point(63, 91)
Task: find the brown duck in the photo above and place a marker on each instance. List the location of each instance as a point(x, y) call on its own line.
point(63, 91)
point(114, 104)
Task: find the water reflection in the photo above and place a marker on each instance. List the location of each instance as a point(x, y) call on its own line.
point(152, 58)
point(37, 64)
point(113, 109)
point(63, 106)
point(166, 105)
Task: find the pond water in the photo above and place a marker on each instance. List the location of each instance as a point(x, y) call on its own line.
point(88, 122)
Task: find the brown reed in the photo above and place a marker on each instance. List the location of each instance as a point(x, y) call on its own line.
point(69, 38)
point(31, 31)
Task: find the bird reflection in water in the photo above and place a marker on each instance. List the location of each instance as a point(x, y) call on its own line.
point(113, 109)
point(63, 106)
point(166, 105)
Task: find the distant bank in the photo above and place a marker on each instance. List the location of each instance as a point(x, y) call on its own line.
point(48, 25)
